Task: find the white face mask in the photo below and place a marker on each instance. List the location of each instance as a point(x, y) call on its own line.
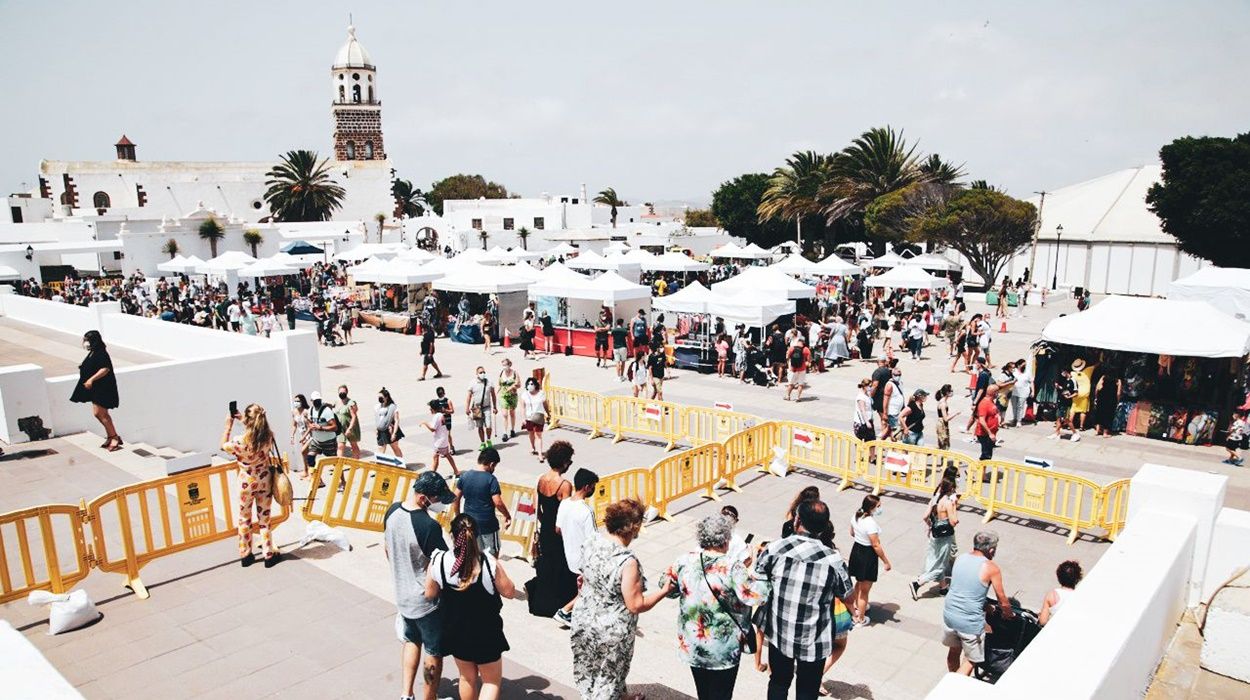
point(436, 507)
point(877, 513)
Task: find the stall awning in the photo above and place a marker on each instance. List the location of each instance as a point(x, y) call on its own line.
point(906, 277)
point(888, 260)
point(1225, 288)
point(394, 272)
point(673, 262)
point(227, 261)
point(691, 299)
point(750, 308)
point(766, 279)
point(1154, 326)
point(476, 278)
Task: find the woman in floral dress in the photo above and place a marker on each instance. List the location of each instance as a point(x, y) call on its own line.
point(605, 618)
point(716, 593)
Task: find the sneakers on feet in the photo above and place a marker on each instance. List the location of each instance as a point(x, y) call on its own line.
point(564, 617)
point(1076, 437)
point(915, 591)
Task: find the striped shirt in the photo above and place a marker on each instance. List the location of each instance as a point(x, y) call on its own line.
point(805, 576)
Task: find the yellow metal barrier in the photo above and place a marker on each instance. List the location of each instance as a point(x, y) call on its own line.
point(1042, 493)
point(654, 419)
point(522, 502)
point(687, 472)
point(576, 406)
point(631, 483)
point(900, 467)
point(156, 518)
point(702, 425)
point(823, 449)
point(43, 564)
point(1114, 512)
point(748, 449)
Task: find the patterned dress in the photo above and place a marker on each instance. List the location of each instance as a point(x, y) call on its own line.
point(255, 489)
point(603, 628)
point(707, 637)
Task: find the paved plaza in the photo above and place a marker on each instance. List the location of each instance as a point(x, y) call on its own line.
point(322, 623)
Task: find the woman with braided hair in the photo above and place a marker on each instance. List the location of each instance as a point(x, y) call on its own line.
point(470, 583)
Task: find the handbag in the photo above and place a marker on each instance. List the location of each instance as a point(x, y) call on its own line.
point(748, 633)
point(279, 482)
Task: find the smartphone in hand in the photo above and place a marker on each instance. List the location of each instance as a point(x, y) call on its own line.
point(234, 409)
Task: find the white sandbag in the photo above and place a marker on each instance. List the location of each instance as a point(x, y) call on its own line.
point(779, 466)
point(69, 610)
point(318, 531)
point(650, 514)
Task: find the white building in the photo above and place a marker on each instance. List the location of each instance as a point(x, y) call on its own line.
point(1111, 243)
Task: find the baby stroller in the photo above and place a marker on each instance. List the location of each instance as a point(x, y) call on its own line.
point(758, 372)
point(1006, 639)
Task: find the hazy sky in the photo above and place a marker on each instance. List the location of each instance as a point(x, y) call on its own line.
point(663, 100)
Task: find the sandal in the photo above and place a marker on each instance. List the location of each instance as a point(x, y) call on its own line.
point(117, 445)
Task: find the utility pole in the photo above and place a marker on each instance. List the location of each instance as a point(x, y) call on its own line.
point(1037, 228)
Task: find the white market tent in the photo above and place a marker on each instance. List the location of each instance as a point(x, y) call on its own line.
point(416, 254)
point(933, 261)
point(475, 255)
point(521, 254)
point(394, 272)
point(367, 265)
point(789, 247)
point(475, 278)
point(638, 256)
point(497, 255)
point(734, 251)
point(750, 308)
point(591, 260)
point(906, 277)
point(833, 266)
point(369, 250)
point(557, 280)
point(1155, 326)
point(756, 252)
point(9, 273)
point(691, 299)
point(192, 264)
point(795, 264)
point(613, 288)
point(765, 279)
point(585, 296)
point(673, 262)
point(229, 261)
point(561, 249)
point(889, 260)
point(1225, 288)
point(178, 263)
point(267, 267)
point(616, 247)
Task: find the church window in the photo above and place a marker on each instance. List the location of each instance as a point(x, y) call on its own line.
point(100, 200)
point(355, 76)
point(508, 223)
point(340, 76)
point(356, 94)
point(342, 94)
point(368, 150)
point(477, 224)
point(351, 150)
point(539, 223)
point(370, 94)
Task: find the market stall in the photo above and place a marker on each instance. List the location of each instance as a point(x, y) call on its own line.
point(907, 277)
point(620, 264)
point(686, 311)
point(733, 251)
point(573, 302)
point(886, 262)
point(1180, 366)
point(1225, 288)
point(476, 284)
point(766, 279)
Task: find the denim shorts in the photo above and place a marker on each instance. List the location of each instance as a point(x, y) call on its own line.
point(426, 632)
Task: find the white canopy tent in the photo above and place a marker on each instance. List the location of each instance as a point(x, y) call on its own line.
point(616, 247)
point(1156, 326)
point(907, 277)
point(9, 273)
point(521, 254)
point(1225, 288)
point(787, 248)
point(833, 266)
point(267, 267)
point(475, 278)
point(933, 261)
point(474, 255)
point(795, 264)
point(614, 289)
point(557, 280)
point(749, 307)
point(768, 280)
point(417, 254)
point(176, 264)
point(889, 260)
point(395, 272)
point(369, 250)
point(691, 299)
point(560, 249)
point(673, 262)
point(229, 261)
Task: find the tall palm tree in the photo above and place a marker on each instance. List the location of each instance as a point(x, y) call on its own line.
point(409, 200)
point(381, 219)
point(608, 198)
point(794, 189)
point(253, 239)
point(170, 248)
point(301, 189)
point(212, 232)
point(876, 163)
point(483, 235)
point(523, 235)
point(941, 172)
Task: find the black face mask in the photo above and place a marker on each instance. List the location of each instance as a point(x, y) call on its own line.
point(342, 396)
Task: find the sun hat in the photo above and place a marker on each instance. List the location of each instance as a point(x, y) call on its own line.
point(1078, 364)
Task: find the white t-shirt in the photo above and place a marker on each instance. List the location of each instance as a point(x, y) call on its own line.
point(576, 522)
point(739, 550)
point(436, 570)
point(863, 528)
point(533, 403)
point(479, 393)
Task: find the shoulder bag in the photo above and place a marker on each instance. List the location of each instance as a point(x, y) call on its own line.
point(748, 633)
point(279, 482)
point(937, 529)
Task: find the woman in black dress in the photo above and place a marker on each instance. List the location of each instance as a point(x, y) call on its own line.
point(1106, 399)
point(554, 585)
point(97, 385)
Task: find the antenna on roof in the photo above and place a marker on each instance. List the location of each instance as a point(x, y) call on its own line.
point(349, 20)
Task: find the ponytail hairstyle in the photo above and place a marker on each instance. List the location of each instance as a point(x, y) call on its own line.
point(465, 547)
point(386, 396)
point(868, 506)
point(943, 392)
point(257, 436)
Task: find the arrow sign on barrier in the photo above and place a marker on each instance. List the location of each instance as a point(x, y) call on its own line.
point(525, 507)
point(653, 412)
point(803, 438)
point(897, 462)
point(723, 405)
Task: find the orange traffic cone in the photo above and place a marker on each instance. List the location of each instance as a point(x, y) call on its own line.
point(507, 339)
point(1003, 328)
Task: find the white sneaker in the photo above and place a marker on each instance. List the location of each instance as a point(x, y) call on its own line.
point(1076, 437)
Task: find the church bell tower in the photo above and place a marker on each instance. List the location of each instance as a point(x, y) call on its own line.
point(356, 108)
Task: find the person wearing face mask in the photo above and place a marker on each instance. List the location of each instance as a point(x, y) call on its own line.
point(325, 427)
point(387, 423)
point(509, 384)
point(346, 412)
point(301, 433)
point(97, 385)
point(865, 554)
point(894, 401)
point(411, 537)
point(480, 406)
point(534, 406)
point(442, 438)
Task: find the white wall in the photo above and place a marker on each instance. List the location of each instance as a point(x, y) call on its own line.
point(22, 393)
point(66, 318)
point(1159, 489)
point(1229, 549)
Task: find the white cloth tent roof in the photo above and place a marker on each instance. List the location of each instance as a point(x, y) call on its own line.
point(191, 264)
point(368, 250)
point(795, 264)
point(673, 262)
point(757, 252)
point(766, 279)
point(395, 272)
point(613, 288)
point(833, 266)
point(637, 255)
point(1225, 288)
point(1156, 326)
point(416, 254)
point(476, 278)
point(692, 299)
point(749, 307)
point(519, 254)
point(555, 279)
point(933, 261)
point(267, 267)
point(229, 260)
point(787, 247)
point(1109, 208)
point(497, 254)
point(591, 260)
point(178, 263)
point(476, 255)
point(907, 277)
point(524, 269)
point(890, 259)
point(616, 247)
point(9, 273)
point(560, 249)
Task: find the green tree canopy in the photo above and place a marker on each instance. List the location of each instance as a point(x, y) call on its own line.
point(701, 217)
point(301, 189)
point(893, 216)
point(608, 198)
point(986, 226)
point(736, 203)
point(1204, 198)
point(463, 187)
point(409, 200)
point(212, 232)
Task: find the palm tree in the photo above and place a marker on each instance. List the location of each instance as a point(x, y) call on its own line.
point(170, 248)
point(409, 200)
point(381, 219)
point(212, 232)
point(523, 235)
point(301, 189)
point(253, 239)
point(876, 163)
point(794, 189)
point(483, 235)
point(941, 172)
point(608, 198)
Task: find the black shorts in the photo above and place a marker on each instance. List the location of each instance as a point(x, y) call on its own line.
point(601, 343)
point(863, 563)
point(384, 436)
point(427, 360)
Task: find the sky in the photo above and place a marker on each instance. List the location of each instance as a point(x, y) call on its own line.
point(661, 100)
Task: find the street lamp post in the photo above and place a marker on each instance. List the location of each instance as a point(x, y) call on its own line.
point(1054, 283)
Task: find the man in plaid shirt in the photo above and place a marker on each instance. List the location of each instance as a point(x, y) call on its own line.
point(805, 576)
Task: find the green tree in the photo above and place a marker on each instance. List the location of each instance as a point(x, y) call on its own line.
point(608, 198)
point(893, 216)
point(409, 200)
point(301, 189)
point(170, 248)
point(794, 189)
point(876, 163)
point(483, 236)
point(212, 232)
point(986, 226)
point(523, 235)
point(381, 219)
point(941, 172)
point(701, 217)
point(1204, 197)
point(463, 187)
point(736, 203)
point(253, 239)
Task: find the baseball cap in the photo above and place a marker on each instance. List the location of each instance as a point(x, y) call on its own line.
point(315, 396)
point(433, 486)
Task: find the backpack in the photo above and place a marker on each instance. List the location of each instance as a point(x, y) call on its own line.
point(796, 358)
